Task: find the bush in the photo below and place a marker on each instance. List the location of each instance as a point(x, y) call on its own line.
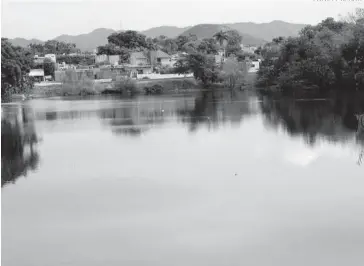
point(126, 85)
point(155, 89)
point(233, 73)
point(84, 86)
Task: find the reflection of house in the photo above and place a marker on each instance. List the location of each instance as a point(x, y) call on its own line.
point(37, 74)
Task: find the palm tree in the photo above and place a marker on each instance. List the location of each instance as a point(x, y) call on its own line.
point(220, 37)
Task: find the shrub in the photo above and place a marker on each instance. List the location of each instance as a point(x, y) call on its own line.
point(127, 85)
point(155, 89)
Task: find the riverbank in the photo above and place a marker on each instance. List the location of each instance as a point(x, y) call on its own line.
point(128, 86)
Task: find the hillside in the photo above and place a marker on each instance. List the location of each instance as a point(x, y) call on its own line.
point(268, 31)
point(169, 31)
point(89, 41)
point(253, 33)
point(24, 42)
point(208, 31)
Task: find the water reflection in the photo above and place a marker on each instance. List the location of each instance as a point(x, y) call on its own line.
point(214, 109)
point(332, 119)
point(18, 143)
point(137, 117)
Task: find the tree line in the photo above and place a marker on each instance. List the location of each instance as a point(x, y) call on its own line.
point(329, 55)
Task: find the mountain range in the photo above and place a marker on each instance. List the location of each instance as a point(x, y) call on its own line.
point(252, 33)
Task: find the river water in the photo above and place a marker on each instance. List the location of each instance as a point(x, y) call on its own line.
point(227, 178)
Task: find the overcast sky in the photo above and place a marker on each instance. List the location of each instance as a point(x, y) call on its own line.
point(48, 18)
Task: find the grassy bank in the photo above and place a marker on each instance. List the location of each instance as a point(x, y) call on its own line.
point(126, 87)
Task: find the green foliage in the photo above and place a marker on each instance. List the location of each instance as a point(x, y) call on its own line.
point(15, 65)
point(53, 47)
point(202, 66)
point(233, 73)
point(126, 85)
point(208, 46)
point(329, 55)
point(129, 39)
point(76, 59)
point(49, 67)
point(221, 37)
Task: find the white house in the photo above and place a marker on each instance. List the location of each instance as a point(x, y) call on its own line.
point(51, 56)
point(37, 74)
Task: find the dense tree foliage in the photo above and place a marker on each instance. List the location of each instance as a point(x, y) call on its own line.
point(49, 67)
point(15, 65)
point(329, 55)
point(76, 59)
point(203, 67)
point(129, 39)
point(122, 43)
point(53, 47)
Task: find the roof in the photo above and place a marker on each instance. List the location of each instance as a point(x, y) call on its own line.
point(138, 55)
point(161, 54)
point(36, 72)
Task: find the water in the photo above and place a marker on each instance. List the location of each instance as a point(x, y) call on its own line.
point(210, 179)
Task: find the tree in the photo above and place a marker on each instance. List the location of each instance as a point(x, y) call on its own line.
point(48, 67)
point(203, 66)
point(189, 47)
point(15, 65)
point(222, 37)
point(53, 47)
point(129, 39)
point(328, 55)
point(208, 46)
point(181, 41)
point(112, 49)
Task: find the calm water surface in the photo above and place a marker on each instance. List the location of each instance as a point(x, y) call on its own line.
point(210, 179)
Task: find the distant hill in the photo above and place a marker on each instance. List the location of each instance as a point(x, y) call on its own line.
point(88, 41)
point(169, 31)
point(24, 42)
point(268, 31)
point(253, 33)
point(208, 31)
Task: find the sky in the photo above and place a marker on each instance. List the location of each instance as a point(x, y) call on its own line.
point(47, 19)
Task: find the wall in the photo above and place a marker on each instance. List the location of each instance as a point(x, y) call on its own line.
point(138, 61)
point(114, 59)
point(167, 62)
point(101, 58)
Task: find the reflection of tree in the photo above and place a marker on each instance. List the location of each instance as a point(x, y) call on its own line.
point(332, 119)
point(217, 107)
point(18, 154)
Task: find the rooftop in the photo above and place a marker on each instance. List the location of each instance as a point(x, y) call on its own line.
point(36, 72)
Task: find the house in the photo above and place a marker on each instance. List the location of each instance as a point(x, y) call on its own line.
point(138, 59)
point(160, 58)
point(138, 64)
point(248, 49)
point(52, 57)
point(37, 74)
point(102, 58)
point(114, 59)
point(38, 60)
